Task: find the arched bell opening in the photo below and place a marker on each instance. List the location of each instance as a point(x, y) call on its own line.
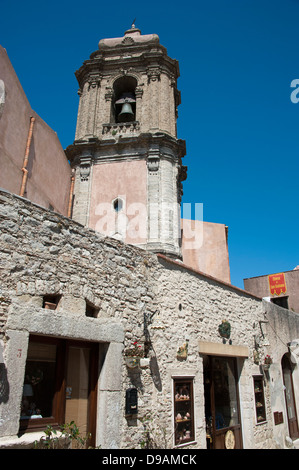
point(123, 107)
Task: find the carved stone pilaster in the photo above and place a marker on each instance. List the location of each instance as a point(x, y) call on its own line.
point(138, 92)
point(85, 164)
point(108, 94)
point(153, 73)
point(153, 164)
point(181, 176)
point(153, 159)
point(94, 80)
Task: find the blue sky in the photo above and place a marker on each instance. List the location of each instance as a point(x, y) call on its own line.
point(237, 61)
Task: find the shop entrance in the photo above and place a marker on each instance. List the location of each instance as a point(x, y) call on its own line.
point(290, 398)
point(60, 385)
point(222, 410)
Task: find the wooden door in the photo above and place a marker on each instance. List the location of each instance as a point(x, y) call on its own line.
point(80, 393)
point(222, 403)
point(289, 397)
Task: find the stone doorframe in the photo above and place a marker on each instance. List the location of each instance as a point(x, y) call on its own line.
point(23, 321)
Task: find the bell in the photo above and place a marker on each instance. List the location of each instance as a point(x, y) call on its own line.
point(126, 113)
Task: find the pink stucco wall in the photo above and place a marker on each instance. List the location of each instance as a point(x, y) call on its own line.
point(204, 248)
point(49, 172)
point(126, 180)
point(260, 286)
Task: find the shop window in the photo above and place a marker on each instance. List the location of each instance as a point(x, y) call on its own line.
point(183, 411)
point(40, 382)
point(259, 399)
point(60, 384)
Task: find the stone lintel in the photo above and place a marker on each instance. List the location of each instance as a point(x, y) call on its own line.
point(67, 325)
point(220, 349)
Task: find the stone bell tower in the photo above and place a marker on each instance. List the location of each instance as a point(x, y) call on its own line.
point(126, 158)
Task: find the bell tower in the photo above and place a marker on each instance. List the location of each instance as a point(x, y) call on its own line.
point(126, 157)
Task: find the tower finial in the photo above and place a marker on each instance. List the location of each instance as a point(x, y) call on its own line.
point(133, 24)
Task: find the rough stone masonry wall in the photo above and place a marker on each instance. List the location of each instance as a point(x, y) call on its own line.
point(43, 253)
point(191, 307)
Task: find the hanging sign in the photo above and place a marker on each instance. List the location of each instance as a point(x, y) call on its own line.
point(277, 284)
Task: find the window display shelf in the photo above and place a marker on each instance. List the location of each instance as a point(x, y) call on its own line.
point(183, 411)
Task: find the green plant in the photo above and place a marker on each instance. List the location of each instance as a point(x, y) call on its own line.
point(154, 436)
point(66, 436)
point(71, 431)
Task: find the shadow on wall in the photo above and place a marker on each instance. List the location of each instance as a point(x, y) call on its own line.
point(154, 368)
point(4, 385)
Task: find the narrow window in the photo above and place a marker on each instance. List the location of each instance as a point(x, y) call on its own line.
point(259, 399)
point(91, 310)
point(183, 411)
point(117, 205)
point(51, 301)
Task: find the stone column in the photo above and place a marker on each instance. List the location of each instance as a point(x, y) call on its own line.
point(169, 206)
point(79, 117)
point(153, 197)
point(154, 104)
point(94, 83)
point(12, 379)
point(82, 190)
point(138, 95)
point(110, 397)
point(82, 117)
point(165, 116)
point(172, 107)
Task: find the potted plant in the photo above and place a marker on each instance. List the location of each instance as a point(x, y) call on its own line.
point(133, 354)
point(267, 362)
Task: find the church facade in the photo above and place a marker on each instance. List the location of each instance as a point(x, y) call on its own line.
point(104, 321)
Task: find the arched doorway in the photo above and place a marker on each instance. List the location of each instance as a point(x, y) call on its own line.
point(287, 371)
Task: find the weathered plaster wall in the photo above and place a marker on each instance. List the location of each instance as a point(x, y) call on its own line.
point(204, 248)
point(49, 174)
point(118, 180)
point(260, 286)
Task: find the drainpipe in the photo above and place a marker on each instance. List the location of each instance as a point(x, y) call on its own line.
point(69, 213)
point(25, 163)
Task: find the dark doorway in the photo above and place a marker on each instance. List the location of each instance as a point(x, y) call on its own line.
point(287, 372)
point(223, 424)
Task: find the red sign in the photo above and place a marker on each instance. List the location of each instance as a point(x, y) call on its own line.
point(277, 284)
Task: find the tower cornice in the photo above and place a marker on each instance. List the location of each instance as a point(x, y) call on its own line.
point(139, 63)
point(102, 148)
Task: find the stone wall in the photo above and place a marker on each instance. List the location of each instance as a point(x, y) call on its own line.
point(138, 296)
point(45, 253)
